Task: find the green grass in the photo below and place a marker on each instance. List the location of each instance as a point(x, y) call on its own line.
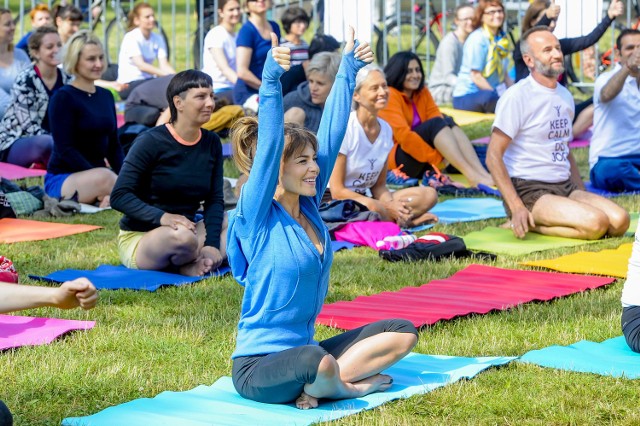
point(178, 338)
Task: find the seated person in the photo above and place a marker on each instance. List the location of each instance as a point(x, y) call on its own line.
point(529, 156)
point(485, 61)
point(25, 133)
point(446, 66)
point(140, 48)
point(70, 294)
point(295, 22)
point(12, 61)
point(614, 153)
point(631, 299)
point(219, 58)
point(280, 252)
point(83, 125)
point(253, 43)
point(304, 106)
point(40, 16)
point(360, 171)
point(168, 172)
point(67, 19)
point(542, 12)
point(422, 137)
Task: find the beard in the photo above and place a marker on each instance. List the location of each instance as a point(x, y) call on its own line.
point(548, 70)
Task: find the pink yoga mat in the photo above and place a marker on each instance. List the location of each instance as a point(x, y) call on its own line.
point(16, 331)
point(11, 171)
point(476, 289)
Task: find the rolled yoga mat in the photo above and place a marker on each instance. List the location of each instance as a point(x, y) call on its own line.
point(220, 404)
point(477, 289)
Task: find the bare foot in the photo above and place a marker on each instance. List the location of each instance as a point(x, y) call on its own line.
point(377, 383)
point(423, 218)
point(305, 402)
point(506, 225)
point(105, 202)
point(197, 268)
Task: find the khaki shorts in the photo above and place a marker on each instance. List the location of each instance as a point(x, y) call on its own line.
point(128, 246)
point(530, 191)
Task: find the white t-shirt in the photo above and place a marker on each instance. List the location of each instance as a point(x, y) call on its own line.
point(539, 122)
point(365, 160)
point(616, 124)
point(134, 44)
point(219, 38)
point(631, 290)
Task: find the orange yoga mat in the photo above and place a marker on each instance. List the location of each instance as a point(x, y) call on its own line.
point(611, 263)
point(17, 230)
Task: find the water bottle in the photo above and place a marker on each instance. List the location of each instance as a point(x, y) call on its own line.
point(395, 242)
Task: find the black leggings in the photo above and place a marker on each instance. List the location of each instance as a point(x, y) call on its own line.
point(280, 377)
point(631, 326)
point(5, 415)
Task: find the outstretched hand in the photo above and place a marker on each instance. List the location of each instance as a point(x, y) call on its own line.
point(363, 52)
point(616, 8)
point(553, 11)
point(282, 55)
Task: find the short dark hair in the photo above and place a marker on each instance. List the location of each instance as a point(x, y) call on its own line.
point(68, 12)
point(294, 13)
point(322, 43)
point(183, 81)
point(623, 34)
point(524, 41)
point(397, 69)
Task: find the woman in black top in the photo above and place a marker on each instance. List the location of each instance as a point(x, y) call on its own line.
point(168, 173)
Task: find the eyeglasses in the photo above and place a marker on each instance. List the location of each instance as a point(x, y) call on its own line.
point(494, 12)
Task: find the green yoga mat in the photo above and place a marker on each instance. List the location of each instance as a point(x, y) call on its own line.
point(634, 224)
point(502, 241)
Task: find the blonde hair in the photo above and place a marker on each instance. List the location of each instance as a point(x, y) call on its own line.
point(244, 140)
point(73, 49)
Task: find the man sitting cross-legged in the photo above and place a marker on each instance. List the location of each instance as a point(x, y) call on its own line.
point(614, 154)
point(529, 157)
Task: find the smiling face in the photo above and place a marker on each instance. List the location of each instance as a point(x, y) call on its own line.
point(195, 104)
point(493, 17)
point(464, 19)
point(545, 58)
point(319, 87)
point(67, 28)
point(230, 13)
point(48, 53)
point(413, 79)
point(629, 46)
point(90, 63)
point(145, 19)
point(299, 172)
point(373, 94)
point(7, 28)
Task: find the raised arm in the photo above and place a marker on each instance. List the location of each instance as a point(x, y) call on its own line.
point(257, 193)
point(335, 116)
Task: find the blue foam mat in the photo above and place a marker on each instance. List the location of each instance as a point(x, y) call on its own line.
point(468, 210)
point(109, 277)
point(341, 245)
point(219, 404)
point(612, 357)
point(605, 193)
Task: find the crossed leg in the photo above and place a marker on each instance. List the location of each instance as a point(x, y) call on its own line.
point(422, 199)
point(582, 215)
point(91, 185)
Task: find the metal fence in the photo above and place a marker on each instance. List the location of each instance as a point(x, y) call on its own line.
point(395, 25)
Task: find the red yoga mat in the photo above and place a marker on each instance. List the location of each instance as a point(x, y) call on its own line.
point(477, 289)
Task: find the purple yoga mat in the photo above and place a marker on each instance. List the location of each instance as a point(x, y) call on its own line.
point(11, 171)
point(16, 331)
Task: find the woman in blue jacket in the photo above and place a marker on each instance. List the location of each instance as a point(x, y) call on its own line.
point(279, 250)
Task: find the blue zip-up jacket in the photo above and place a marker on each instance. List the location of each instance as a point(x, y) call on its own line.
point(284, 276)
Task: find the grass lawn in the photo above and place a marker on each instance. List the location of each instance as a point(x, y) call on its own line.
point(178, 338)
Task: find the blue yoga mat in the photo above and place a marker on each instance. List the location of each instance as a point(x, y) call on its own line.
point(219, 404)
point(468, 210)
point(609, 358)
point(109, 277)
point(341, 245)
point(606, 193)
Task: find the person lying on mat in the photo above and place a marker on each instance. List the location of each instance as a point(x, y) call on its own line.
point(86, 154)
point(631, 298)
point(279, 250)
point(529, 156)
point(70, 294)
point(168, 172)
point(25, 133)
point(361, 169)
point(422, 135)
point(614, 153)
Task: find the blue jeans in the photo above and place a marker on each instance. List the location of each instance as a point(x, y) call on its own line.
point(617, 174)
point(482, 101)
